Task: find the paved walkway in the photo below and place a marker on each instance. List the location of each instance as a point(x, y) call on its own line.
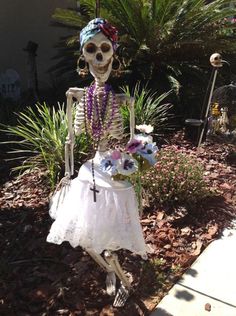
point(209, 286)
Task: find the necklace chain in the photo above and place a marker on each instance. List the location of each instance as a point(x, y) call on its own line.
point(100, 107)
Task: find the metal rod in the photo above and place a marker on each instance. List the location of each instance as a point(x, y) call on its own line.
point(132, 117)
point(97, 8)
point(208, 106)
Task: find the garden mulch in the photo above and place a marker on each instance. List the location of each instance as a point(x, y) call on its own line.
point(38, 278)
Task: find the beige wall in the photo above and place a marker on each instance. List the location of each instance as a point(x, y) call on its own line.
point(24, 20)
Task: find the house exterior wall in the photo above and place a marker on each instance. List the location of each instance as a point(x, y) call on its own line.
point(29, 20)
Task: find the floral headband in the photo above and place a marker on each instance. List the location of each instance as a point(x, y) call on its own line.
point(99, 25)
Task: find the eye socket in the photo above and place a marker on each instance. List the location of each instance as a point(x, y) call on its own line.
point(90, 48)
point(105, 47)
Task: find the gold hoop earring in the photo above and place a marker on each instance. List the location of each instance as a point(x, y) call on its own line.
point(116, 66)
point(82, 66)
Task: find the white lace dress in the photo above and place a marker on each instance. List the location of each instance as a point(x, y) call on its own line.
point(110, 223)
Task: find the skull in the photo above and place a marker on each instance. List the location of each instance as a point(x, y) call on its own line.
point(216, 60)
point(98, 53)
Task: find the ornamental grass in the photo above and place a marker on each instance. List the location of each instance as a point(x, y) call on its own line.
point(38, 141)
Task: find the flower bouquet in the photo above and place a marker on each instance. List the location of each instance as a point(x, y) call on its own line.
point(138, 155)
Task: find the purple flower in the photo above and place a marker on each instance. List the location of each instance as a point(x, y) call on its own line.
point(133, 146)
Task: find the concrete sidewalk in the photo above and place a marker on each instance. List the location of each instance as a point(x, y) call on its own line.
point(209, 286)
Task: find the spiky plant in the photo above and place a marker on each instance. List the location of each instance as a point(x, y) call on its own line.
point(161, 34)
point(149, 109)
point(38, 140)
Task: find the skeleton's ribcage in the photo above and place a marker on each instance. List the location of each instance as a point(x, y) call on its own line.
point(115, 129)
point(79, 118)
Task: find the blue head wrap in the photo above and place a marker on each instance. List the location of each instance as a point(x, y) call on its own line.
point(95, 26)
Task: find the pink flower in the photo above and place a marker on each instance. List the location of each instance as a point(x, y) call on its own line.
point(116, 155)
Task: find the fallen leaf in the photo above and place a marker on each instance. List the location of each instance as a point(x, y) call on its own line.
point(197, 251)
point(160, 216)
point(186, 231)
point(225, 186)
point(208, 307)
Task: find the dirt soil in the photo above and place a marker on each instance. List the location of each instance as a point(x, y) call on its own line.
point(38, 278)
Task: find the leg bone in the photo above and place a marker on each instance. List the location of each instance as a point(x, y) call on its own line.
point(111, 283)
point(123, 292)
point(112, 260)
point(121, 296)
point(99, 260)
point(111, 277)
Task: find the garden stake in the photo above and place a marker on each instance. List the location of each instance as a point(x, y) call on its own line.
point(216, 62)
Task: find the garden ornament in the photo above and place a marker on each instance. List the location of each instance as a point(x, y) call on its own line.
point(218, 120)
point(98, 213)
point(216, 62)
point(214, 119)
point(226, 97)
point(224, 120)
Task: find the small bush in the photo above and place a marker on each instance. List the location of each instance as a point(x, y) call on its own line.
point(38, 140)
point(176, 179)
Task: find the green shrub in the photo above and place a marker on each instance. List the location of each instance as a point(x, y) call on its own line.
point(149, 109)
point(176, 179)
point(39, 139)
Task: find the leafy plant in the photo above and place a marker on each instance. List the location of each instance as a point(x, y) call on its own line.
point(161, 36)
point(167, 43)
point(39, 139)
point(149, 109)
point(177, 178)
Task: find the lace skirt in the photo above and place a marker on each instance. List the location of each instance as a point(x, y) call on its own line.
point(110, 223)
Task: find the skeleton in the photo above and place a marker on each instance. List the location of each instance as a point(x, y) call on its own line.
point(216, 60)
point(98, 53)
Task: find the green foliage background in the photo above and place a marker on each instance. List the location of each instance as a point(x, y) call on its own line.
point(164, 43)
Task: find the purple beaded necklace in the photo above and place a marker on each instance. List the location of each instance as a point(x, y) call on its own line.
point(98, 115)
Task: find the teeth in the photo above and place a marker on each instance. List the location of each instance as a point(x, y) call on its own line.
point(101, 69)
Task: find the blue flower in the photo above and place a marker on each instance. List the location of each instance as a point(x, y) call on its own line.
point(148, 152)
point(127, 165)
point(109, 166)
